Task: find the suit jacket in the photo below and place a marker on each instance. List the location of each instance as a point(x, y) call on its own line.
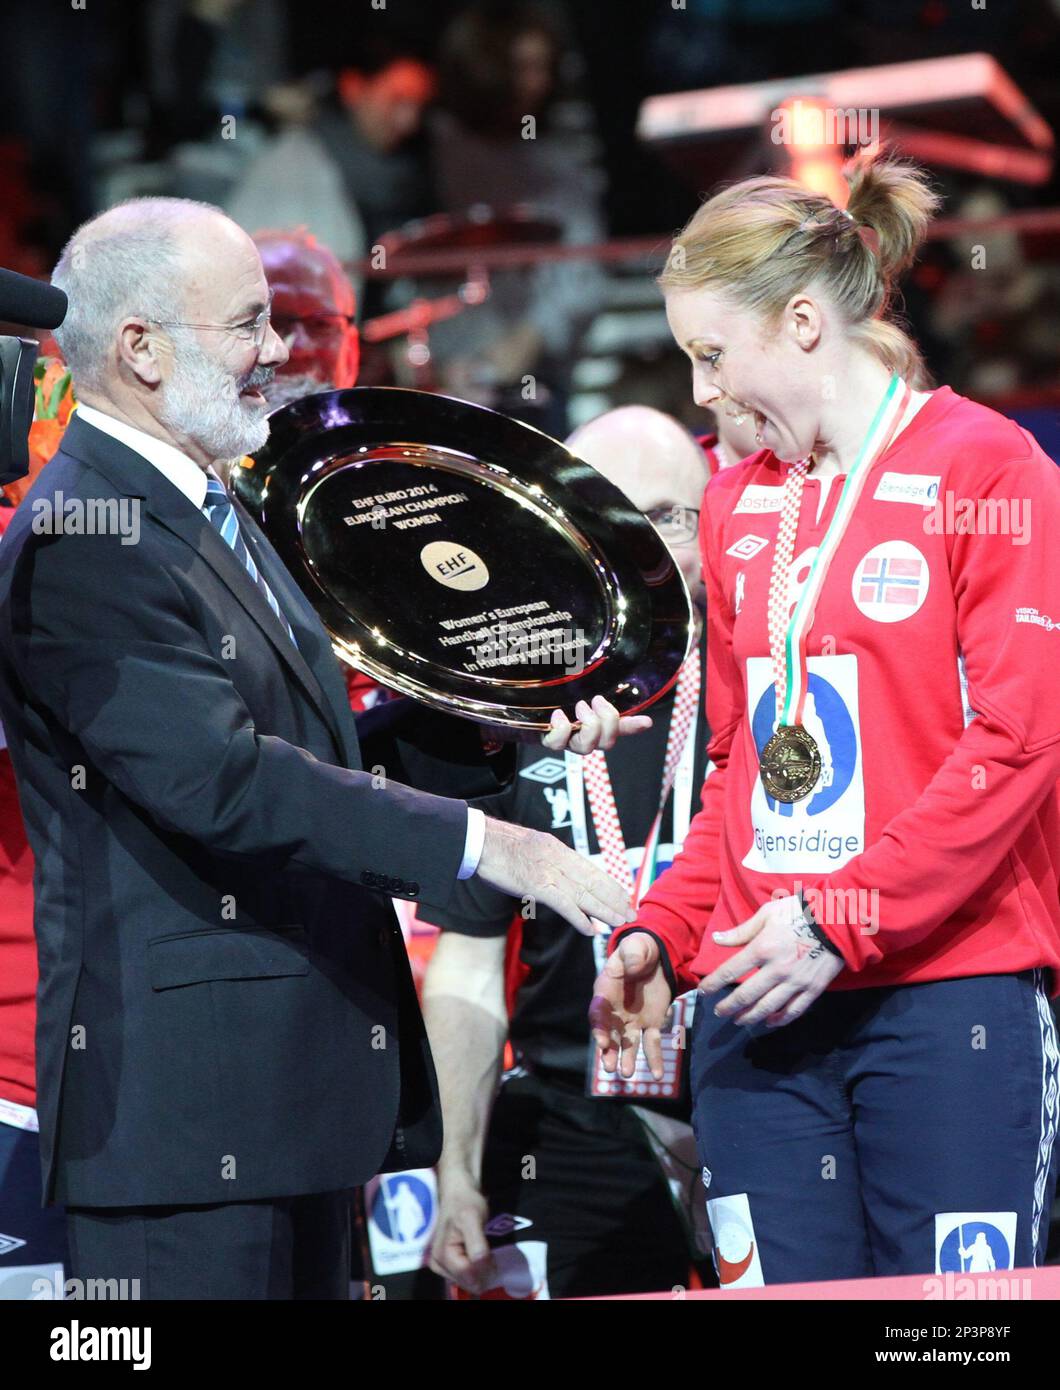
point(225, 1008)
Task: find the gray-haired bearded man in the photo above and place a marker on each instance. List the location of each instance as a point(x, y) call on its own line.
point(228, 1038)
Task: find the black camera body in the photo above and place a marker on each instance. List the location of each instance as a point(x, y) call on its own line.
point(29, 302)
point(18, 357)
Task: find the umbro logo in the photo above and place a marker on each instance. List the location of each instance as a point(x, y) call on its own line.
point(747, 547)
point(545, 770)
point(9, 1243)
point(505, 1223)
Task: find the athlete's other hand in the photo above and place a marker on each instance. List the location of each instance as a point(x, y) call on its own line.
point(460, 1251)
point(601, 726)
point(791, 967)
point(631, 1000)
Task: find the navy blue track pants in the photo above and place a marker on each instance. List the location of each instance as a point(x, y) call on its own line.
point(900, 1130)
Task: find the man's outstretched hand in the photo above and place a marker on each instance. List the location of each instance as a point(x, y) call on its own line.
point(535, 866)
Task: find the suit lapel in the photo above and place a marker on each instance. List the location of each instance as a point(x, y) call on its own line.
point(136, 477)
point(206, 541)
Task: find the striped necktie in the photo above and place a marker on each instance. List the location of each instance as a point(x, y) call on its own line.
point(221, 515)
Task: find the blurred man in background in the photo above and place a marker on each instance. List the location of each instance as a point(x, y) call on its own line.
point(609, 1205)
point(314, 310)
point(354, 167)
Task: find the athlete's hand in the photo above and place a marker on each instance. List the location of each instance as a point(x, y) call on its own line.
point(535, 866)
point(601, 726)
point(793, 968)
point(459, 1248)
point(631, 1001)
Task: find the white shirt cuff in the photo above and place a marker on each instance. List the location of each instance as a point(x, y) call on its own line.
point(475, 839)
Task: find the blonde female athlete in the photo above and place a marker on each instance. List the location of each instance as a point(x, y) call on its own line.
point(873, 1060)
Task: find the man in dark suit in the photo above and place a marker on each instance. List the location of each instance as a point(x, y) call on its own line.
point(228, 1039)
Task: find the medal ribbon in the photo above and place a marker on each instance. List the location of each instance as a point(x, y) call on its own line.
point(601, 795)
point(788, 630)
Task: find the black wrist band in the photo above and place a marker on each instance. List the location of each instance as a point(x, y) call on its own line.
point(664, 958)
point(815, 927)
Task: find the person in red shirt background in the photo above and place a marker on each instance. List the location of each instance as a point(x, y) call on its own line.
point(17, 947)
point(16, 944)
point(32, 1238)
point(872, 879)
point(314, 310)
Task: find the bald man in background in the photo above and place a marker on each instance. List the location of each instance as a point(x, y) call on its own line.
point(314, 312)
point(599, 1201)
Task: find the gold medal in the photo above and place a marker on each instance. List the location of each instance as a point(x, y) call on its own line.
point(790, 764)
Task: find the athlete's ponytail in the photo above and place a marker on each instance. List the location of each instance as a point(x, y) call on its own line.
point(761, 240)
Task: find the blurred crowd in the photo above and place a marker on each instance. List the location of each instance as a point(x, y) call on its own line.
point(406, 127)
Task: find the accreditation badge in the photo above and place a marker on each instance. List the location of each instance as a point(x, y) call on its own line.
point(590, 776)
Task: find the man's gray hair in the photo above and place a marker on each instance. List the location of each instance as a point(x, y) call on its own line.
point(125, 261)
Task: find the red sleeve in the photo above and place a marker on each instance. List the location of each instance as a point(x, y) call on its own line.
point(359, 688)
point(678, 905)
point(933, 856)
point(18, 949)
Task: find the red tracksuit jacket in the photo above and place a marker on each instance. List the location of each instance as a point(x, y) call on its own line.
point(930, 848)
point(18, 949)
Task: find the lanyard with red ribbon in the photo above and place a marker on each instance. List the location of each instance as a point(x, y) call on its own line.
point(790, 762)
point(589, 775)
point(593, 775)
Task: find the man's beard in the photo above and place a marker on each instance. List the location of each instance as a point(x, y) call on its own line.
point(282, 390)
point(201, 402)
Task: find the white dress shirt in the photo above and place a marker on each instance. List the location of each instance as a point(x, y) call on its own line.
point(186, 475)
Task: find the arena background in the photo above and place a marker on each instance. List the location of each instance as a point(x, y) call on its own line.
point(107, 100)
point(219, 99)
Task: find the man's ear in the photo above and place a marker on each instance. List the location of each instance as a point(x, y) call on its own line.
point(140, 351)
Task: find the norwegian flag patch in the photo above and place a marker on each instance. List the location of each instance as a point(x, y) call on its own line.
point(891, 582)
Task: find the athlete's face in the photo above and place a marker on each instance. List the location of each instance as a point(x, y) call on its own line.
point(746, 373)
